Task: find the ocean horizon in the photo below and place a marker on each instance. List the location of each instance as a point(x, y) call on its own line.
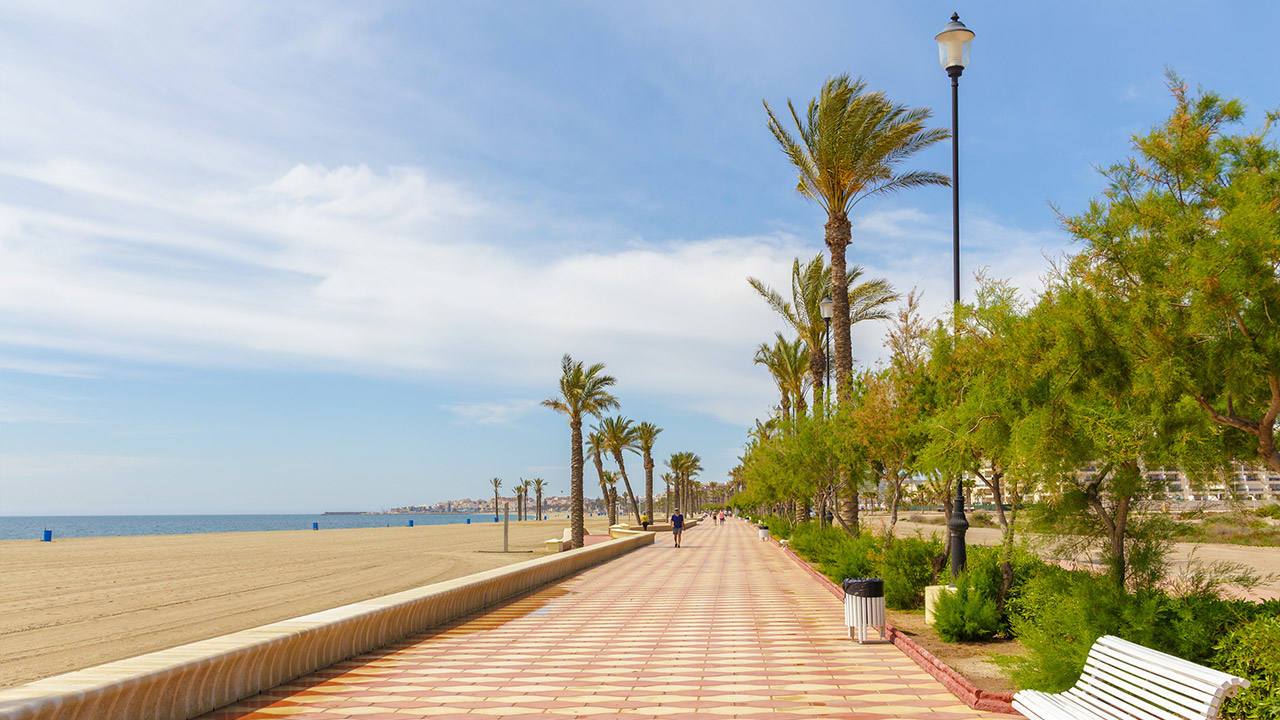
point(31, 527)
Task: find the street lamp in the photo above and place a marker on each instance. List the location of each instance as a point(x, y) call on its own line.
point(827, 308)
point(953, 55)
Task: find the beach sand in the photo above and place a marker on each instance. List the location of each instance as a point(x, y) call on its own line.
point(79, 602)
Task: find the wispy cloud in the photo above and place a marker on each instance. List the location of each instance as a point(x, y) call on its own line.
point(491, 413)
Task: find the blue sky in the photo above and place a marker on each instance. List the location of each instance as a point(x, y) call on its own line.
point(303, 256)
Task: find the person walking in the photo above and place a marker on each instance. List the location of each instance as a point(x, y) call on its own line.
point(677, 526)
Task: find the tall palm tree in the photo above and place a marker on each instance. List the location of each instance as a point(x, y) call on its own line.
point(810, 283)
point(646, 434)
point(850, 143)
point(609, 483)
point(684, 465)
point(497, 483)
point(787, 361)
point(583, 391)
point(669, 479)
point(620, 435)
point(538, 485)
point(525, 484)
point(597, 448)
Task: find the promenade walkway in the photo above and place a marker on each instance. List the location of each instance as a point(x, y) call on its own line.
point(726, 626)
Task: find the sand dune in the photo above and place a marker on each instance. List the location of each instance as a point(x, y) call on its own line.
point(83, 601)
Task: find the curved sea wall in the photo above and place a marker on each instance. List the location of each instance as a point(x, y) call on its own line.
point(189, 680)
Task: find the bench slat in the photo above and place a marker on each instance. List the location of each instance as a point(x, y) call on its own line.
point(1190, 687)
point(1174, 663)
point(1045, 706)
point(1150, 688)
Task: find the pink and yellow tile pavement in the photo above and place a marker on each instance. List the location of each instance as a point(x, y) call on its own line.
point(726, 627)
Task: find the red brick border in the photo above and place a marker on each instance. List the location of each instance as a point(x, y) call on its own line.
point(959, 685)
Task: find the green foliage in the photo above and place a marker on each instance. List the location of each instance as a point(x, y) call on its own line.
point(907, 567)
point(834, 552)
point(985, 572)
point(967, 614)
point(1252, 651)
point(780, 526)
point(1064, 625)
point(1269, 511)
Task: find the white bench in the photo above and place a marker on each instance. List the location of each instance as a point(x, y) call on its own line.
point(560, 544)
point(1126, 680)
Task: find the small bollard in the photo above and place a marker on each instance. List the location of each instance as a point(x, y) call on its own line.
point(47, 536)
point(315, 526)
point(410, 523)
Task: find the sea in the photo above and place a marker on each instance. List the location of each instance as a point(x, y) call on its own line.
point(66, 526)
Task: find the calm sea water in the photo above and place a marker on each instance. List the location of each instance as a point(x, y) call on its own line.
point(31, 528)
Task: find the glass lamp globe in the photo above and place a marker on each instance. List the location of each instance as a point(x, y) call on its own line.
point(953, 44)
point(826, 307)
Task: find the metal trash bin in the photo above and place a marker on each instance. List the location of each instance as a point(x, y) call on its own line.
point(864, 608)
point(764, 531)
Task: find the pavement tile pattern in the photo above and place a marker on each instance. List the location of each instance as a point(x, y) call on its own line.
point(724, 627)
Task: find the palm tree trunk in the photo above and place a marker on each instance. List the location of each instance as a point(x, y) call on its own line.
point(622, 468)
point(838, 235)
point(648, 486)
point(537, 496)
point(575, 483)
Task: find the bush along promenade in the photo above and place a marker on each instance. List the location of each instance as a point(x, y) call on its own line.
point(1154, 344)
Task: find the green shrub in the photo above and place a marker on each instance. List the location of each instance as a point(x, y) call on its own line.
point(966, 614)
point(852, 557)
point(1068, 612)
point(1269, 511)
point(779, 526)
point(1252, 651)
point(1191, 626)
point(907, 567)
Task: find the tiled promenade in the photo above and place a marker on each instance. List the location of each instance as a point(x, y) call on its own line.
point(726, 626)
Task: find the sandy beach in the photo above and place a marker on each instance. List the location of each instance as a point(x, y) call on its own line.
point(79, 602)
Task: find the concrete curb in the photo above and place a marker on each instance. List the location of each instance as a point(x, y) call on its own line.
point(959, 685)
point(189, 680)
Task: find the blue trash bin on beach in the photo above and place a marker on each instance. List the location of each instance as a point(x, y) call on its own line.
point(315, 526)
point(410, 523)
point(47, 536)
point(468, 521)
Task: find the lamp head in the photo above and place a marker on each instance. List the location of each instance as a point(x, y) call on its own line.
point(953, 45)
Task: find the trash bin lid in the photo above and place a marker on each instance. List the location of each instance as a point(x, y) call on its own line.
point(863, 587)
point(762, 526)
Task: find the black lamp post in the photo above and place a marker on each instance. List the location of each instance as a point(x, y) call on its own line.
point(953, 54)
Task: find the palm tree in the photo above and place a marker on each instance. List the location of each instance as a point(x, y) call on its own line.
point(684, 465)
point(497, 483)
point(850, 142)
point(619, 435)
point(525, 484)
point(609, 483)
point(810, 283)
point(596, 448)
point(538, 485)
point(669, 479)
point(788, 362)
point(646, 434)
point(583, 391)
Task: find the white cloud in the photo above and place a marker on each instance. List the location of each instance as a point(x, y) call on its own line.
point(400, 271)
point(375, 272)
point(491, 413)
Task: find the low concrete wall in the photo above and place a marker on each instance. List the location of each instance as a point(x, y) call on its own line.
point(190, 680)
